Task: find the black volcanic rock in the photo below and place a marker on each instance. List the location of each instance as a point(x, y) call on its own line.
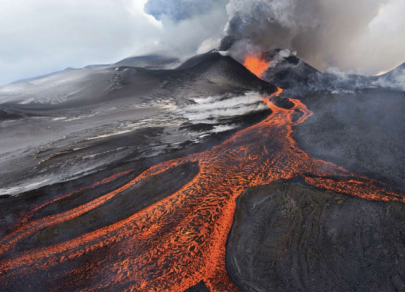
point(288, 236)
point(200, 287)
point(10, 115)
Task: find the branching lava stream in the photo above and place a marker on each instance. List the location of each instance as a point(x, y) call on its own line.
point(179, 241)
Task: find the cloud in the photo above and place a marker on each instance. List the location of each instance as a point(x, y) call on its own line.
point(189, 26)
point(43, 36)
point(179, 10)
point(194, 34)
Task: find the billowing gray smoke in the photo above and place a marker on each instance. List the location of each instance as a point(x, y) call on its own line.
point(189, 26)
point(362, 36)
point(356, 36)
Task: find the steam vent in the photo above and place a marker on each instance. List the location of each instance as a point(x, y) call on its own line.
point(242, 152)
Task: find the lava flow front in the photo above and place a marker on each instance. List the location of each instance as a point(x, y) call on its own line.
point(179, 241)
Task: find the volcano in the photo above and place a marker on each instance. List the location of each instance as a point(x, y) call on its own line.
point(148, 176)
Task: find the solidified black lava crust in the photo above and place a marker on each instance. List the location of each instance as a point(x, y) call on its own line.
point(288, 236)
point(200, 287)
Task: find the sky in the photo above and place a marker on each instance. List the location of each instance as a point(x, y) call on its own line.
point(43, 36)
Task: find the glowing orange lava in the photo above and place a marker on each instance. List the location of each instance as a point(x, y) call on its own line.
point(180, 240)
point(256, 66)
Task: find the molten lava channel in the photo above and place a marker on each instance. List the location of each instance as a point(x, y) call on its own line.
point(179, 241)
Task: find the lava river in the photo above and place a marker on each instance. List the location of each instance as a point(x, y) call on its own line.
point(181, 240)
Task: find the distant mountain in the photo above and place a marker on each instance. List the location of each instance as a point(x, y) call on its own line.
point(394, 79)
point(152, 61)
point(38, 77)
point(288, 71)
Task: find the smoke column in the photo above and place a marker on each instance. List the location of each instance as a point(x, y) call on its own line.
point(358, 36)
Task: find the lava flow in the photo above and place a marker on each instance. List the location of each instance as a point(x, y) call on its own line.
point(181, 240)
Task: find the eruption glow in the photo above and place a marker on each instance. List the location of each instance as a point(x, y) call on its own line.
point(256, 65)
point(181, 240)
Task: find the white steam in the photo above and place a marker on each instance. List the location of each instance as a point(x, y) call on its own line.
point(211, 110)
point(395, 80)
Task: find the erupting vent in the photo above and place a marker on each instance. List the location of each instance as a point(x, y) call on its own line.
point(256, 66)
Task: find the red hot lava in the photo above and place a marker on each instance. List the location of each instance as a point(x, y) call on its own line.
point(256, 65)
point(180, 240)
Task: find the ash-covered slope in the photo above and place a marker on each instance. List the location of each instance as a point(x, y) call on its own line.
point(96, 84)
point(75, 121)
point(394, 79)
point(363, 132)
point(288, 71)
point(224, 71)
point(152, 61)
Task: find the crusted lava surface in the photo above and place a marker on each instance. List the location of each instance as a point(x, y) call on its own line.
point(289, 236)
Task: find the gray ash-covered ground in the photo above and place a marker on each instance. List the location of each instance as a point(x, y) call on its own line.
point(78, 121)
point(363, 132)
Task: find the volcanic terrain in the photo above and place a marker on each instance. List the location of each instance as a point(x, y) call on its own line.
point(147, 175)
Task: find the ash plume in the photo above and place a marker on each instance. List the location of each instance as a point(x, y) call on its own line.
point(360, 36)
point(356, 36)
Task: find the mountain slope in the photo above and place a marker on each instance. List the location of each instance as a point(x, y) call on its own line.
point(289, 72)
point(75, 121)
